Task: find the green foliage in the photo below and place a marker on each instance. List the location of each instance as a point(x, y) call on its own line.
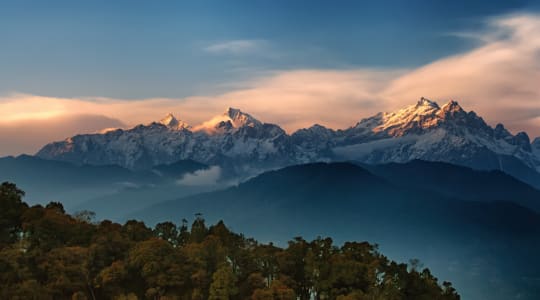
point(224, 286)
point(11, 209)
point(48, 254)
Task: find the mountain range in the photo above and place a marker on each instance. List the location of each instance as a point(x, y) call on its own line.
point(241, 144)
point(430, 182)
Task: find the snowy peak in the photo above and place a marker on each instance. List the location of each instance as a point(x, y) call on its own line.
point(422, 116)
point(417, 117)
point(452, 106)
point(173, 123)
point(452, 109)
point(239, 118)
point(424, 102)
point(169, 120)
point(423, 130)
point(231, 119)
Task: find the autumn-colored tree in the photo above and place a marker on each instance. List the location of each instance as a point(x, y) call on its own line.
point(276, 291)
point(167, 231)
point(136, 231)
point(198, 229)
point(160, 266)
point(67, 272)
point(292, 263)
point(46, 253)
point(224, 286)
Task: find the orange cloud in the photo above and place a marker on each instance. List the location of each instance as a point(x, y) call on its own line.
point(27, 136)
point(499, 79)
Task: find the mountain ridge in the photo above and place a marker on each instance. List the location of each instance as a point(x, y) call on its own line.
point(239, 141)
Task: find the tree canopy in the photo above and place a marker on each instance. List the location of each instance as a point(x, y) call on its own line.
point(46, 253)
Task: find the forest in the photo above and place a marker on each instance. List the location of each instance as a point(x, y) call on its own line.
point(46, 253)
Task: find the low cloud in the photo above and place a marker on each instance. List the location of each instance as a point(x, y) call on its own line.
point(201, 177)
point(27, 136)
point(498, 79)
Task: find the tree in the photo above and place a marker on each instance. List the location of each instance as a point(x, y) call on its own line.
point(136, 231)
point(277, 291)
point(59, 207)
point(292, 263)
point(67, 272)
point(183, 234)
point(223, 285)
point(114, 279)
point(11, 209)
point(254, 281)
point(160, 266)
point(266, 259)
point(48, 254)
point(318, 269)
point(167, 231)
point(85, 216)
point(198, 229)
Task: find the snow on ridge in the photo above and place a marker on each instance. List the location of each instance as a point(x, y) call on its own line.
point(424, 130)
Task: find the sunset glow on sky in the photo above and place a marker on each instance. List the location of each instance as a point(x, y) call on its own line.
point(76, 68)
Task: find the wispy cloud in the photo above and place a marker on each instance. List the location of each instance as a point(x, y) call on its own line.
point(498, 79)
point(236, 47)
point(27, 135)
point(201, 177)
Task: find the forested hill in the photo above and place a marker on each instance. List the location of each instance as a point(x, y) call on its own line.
point(48, 254)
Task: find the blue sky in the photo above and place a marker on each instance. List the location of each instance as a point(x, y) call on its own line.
point(141, 49)
point(70, 67)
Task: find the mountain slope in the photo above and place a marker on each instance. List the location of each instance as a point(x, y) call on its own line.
point(500, 239)
point(458, 182)
point(449, 134)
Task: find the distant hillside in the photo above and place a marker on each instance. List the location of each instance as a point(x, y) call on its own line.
point(458, 182)
point(348, 201)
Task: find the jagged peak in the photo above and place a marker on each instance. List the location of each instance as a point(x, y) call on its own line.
point(317, 126)
point(230, 119)
point(522, 135)
point(169, 119)
point(233, 112)
point(426, 102)
point(172, 122)
point(452, 106)
point(240, 118)
point(501, 130)
point(423, 115)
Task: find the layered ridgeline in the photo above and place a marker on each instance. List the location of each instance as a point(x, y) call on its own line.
point(474, 228)
point(236, 140)
point(48, 254)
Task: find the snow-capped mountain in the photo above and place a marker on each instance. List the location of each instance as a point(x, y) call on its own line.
point(171, 122)
point(429, 132)
point(236, 139)
point(231, 137)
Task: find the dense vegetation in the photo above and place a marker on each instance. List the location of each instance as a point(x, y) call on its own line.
point(48, 254)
